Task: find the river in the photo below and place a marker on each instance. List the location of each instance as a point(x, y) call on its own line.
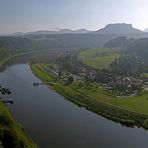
point(52, 121)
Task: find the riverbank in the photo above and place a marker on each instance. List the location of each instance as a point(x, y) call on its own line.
point(11, 132)
point(85, 96)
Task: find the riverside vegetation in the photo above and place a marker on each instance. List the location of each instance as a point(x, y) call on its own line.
point(77, 83)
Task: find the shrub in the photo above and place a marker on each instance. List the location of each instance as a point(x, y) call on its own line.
point(145, 123)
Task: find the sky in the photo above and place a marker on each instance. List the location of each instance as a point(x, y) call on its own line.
point(31, 15)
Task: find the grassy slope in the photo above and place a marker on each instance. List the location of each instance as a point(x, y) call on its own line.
point(137, 104)
point(99, 101)
point(11, 133)
point(99, 58)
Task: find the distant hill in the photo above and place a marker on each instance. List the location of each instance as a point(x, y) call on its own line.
point(16, 34)
point(61, 31)
point(118, 28)
point(73, 31)
point(114, 30)
point(122, 29)
point(73, 39)
point(146, 30)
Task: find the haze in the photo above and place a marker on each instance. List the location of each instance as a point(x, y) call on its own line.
point(30, 15)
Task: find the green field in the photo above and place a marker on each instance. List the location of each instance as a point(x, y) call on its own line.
point(38, 70)
point(137, 103)
point(127, 110)
point(146, 75)
point(99, 58)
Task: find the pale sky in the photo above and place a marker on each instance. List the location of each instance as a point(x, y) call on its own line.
point(31, 15)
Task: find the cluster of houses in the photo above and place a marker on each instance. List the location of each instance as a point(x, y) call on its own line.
point(126, 85)
point(79, 75)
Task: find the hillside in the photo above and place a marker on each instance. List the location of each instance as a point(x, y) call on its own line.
point(118, 28)
point(119, 42)
point(11, 133)
point(122, 29)
point(138, 48)
point(134, 47)
point(114, 30)
point(56, 41)
point(44, 32)
point(67, 39)
point(10, 46)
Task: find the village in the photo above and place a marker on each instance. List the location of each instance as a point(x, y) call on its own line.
point(116, 85)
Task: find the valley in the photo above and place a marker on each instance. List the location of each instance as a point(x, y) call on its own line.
point(101, 74)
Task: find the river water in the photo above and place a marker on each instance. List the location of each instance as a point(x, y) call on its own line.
point(53, 122)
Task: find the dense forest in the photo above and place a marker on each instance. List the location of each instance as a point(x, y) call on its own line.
point(10, 45)
point(132, 47)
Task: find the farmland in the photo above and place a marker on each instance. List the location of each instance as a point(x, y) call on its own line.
point(99, 58)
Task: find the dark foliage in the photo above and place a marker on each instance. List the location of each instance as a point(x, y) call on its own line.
point(127, 66)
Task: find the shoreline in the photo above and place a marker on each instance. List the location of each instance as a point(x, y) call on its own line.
point(9, 125)
point(114, 113)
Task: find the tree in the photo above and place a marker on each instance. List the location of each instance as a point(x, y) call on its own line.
point(4, 91)
point(127, 66)
point(70, 79)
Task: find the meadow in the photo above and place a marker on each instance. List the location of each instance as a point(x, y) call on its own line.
point(99, 58)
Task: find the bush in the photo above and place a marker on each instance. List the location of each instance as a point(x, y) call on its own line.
point(145, 123)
